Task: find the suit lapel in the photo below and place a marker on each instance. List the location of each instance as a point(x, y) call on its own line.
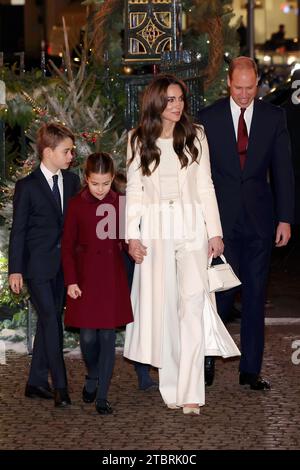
point(47, 190)
point(255, 129)
point(67, 191)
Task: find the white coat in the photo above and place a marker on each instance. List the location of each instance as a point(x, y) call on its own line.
point(143, 340)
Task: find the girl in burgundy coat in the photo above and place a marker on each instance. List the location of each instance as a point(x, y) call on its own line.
point(98, 297)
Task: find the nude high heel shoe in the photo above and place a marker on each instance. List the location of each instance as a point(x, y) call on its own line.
point(173, 406)
point(191, 410)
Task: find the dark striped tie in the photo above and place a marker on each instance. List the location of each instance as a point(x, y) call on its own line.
point(55, 191)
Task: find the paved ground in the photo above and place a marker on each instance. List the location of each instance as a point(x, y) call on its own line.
point(233, 418)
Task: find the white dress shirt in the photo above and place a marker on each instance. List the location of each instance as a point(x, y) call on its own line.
point(236, 111)
point(48, 175)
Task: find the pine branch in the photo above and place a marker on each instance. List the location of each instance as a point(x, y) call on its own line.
point(100, 31)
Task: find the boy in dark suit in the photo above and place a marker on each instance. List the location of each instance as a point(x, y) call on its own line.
point(40, 202)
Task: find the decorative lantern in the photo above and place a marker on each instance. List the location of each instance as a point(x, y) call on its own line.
point(153, 37)
point(151, 28)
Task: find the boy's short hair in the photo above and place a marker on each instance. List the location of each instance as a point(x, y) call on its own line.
point(50, 135)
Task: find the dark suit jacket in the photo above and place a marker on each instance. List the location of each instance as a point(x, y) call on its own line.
point(268, 149)
point(35, 239)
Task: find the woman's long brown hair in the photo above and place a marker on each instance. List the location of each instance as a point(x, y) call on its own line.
point(144, 137)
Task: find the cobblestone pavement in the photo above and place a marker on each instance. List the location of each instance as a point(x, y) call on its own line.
point(233, 417)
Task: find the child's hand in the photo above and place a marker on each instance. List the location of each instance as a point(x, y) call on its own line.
point(137, 251)
point(16, 282)
point(73, 291)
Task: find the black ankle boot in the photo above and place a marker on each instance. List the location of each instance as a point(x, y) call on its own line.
point(144, 379)
point(89, 397)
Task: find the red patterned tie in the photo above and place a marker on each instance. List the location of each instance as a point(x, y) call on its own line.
point(242, 138)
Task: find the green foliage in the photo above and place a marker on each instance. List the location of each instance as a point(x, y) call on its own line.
point(200, 11)
point(120, 337)
point(18, 321)
point(85, 100)
point(71, 339)
point(196, 42)
point(7, 297)
point(18, 112)
point(113, 42)
point(13, 162)
point(16, 83)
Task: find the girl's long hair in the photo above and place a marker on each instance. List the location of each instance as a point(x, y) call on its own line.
point(150, 128)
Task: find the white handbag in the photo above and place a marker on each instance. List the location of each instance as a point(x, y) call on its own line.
point(221, 276)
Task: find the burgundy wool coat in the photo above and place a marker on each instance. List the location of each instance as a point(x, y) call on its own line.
point(96, 265)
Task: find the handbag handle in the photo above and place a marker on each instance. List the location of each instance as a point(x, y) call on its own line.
point(211, 258)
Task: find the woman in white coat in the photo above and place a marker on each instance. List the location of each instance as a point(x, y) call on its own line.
point(173, 226)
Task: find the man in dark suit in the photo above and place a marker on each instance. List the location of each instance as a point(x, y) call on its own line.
point(249, 145)
point(40, 202)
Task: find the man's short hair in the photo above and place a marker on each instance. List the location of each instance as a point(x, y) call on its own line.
point(242, 63)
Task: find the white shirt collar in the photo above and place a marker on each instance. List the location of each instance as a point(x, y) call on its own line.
point(236, 111)
point(48, 174)
point(235, 108)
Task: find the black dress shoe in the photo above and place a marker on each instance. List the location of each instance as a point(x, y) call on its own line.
point(103, 407)
point(147, 387)
point(61, 397)
point(209, 370)
point(33, 391)
point(88, 397)
point(255, 381)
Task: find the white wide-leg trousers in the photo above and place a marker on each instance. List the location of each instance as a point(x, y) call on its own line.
point(181, 378)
